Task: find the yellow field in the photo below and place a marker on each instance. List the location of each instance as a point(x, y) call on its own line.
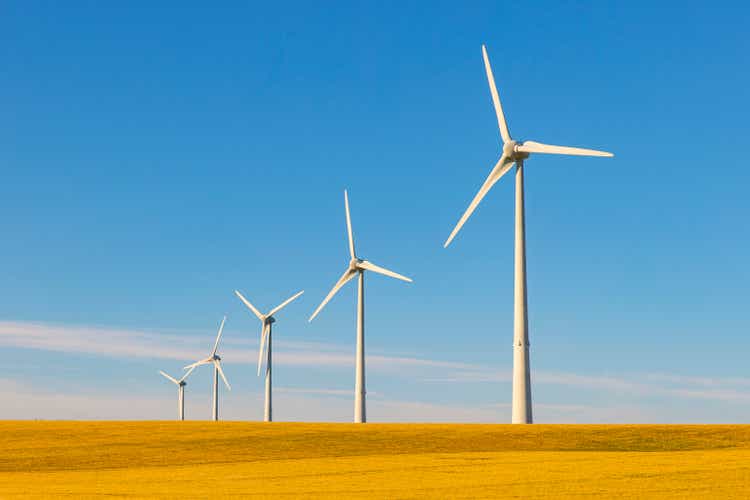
point(202, 459)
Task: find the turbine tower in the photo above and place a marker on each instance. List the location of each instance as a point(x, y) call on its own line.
point(265, 339)
point(357, 267)
point(516, 152)
point(215, 360)
point(180, 392)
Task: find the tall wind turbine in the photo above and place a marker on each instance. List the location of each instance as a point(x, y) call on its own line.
point(215, 360)
point(516, 152)
point(357, 267)
point(180, 391)
point(265, 339)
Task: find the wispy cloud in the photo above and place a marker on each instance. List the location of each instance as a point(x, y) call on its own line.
point(317, 392)
point(31, 401)
point(698, 381)
point(290, 404)
point(728, 389)
point(98, 341)
point(727, 395)
point(124, 343)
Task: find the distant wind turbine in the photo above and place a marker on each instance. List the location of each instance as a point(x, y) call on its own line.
point(357, 267)
point(215, 360)
point(516, 152)
point(180, 391)
point(265, 339)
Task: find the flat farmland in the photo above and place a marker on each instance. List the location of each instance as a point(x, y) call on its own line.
point(46, 459)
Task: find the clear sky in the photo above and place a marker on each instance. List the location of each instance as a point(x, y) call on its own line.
point(155, 159)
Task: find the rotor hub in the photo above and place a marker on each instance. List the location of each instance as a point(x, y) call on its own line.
point(510, 149)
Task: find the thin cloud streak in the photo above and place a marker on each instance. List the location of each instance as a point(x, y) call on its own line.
point(728, 389)
point(123, 343)
point(699, 381)
point(315, 405)
point(38, 402)
point(317, 392)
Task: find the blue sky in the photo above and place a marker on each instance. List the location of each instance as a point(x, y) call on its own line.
point(155, 159)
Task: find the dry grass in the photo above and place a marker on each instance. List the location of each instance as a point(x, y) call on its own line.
point(202, 459)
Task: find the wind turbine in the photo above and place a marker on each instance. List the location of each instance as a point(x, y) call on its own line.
point(180, 391)
point(265, 333)
point(215, 360)
point(357, 267)
point(516, 152)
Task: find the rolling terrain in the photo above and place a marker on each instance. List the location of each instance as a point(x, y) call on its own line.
point(201, 459)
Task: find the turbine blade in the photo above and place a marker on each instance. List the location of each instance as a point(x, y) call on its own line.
point(249, 305)
point(263, 334)
point(348, 275)
point(349, 225)
point(188, 373)
point(381, 270)
point(501, 167)
point(538, 147)
point(217, 364)
point(197, 363)
point(504, 132)
point(170, 378)
point(218, 337)
point(285, 303)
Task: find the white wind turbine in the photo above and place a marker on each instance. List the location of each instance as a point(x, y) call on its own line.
point(265, 339)
point(180, 391)
point(516, 152)
point(357, 267)
point(215, 360)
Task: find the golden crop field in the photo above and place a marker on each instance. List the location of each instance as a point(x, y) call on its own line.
point(225, 459)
